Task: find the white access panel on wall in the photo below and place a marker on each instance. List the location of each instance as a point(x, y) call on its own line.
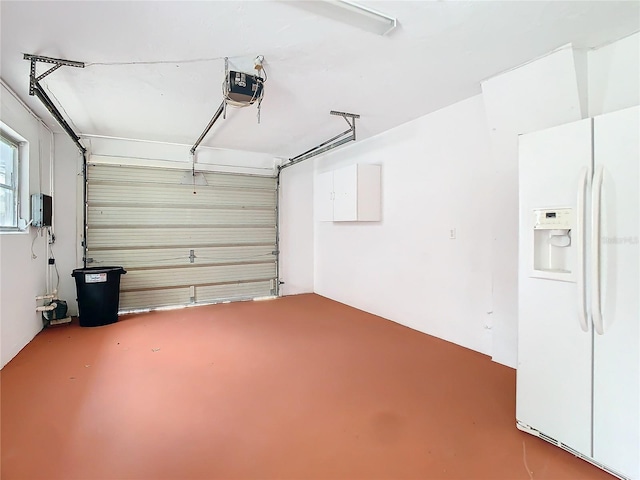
point(323, 193)
point(345, 194)
point(349, 194)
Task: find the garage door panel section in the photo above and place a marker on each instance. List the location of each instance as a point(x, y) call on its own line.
point(246, 290)
point(170, 216)
point(178, 247)
point(119, 174)
point(196, 275)
point(101, 238)
point(166, 297)
point(166, 257)
point(149, 194)
point(154, 298)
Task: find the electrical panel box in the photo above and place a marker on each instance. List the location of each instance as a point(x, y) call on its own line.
point(41, 210)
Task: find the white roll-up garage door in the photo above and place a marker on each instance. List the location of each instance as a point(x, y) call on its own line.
point(181, 247)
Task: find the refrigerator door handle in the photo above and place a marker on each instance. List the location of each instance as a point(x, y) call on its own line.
point(596, 206)
point(580, 237)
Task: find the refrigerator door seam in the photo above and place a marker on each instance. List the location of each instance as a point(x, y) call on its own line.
point(596, 311)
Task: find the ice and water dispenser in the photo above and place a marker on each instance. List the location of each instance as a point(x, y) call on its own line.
point(552, 251)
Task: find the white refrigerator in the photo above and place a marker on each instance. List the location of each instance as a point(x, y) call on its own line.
point(578, 372)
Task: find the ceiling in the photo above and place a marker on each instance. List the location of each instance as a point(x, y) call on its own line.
point(437, 56)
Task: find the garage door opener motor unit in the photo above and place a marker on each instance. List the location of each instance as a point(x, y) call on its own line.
point(239, 89)
point(242, 89)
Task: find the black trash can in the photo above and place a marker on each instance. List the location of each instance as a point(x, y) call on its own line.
point(98, 294)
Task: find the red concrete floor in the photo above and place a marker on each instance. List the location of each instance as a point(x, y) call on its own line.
point(295, 388)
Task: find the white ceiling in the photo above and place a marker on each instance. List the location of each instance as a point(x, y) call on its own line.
point(437, 56)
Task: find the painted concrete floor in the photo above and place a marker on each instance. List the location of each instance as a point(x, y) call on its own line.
point(295, 388)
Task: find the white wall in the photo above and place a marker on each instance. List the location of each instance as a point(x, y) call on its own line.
point(23, 277)
point(538, 95)
point(68, 197)
point(405, 268)
point(455, 168)
point(400, 268)
point(463, 163)
point(296, 228)
point(614, 76)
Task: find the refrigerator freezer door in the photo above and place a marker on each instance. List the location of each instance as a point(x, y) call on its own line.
point(617, 351)
point(554, 353)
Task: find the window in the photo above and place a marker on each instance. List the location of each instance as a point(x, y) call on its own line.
point(9, 195)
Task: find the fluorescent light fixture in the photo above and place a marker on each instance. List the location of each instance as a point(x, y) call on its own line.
point(365, 17)
point(349, 13)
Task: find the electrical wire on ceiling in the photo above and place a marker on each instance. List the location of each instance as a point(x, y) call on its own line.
point(258, 65)
point(161, 62)
point(59, 105)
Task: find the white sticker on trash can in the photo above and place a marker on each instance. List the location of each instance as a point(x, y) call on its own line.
point(95, 277)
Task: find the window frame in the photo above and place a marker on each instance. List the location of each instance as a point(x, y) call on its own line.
point(20, 146)
point(14, 185)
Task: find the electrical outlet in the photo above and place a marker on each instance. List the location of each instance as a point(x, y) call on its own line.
point(452, 234)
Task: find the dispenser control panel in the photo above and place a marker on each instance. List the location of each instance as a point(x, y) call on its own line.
point(552, 219)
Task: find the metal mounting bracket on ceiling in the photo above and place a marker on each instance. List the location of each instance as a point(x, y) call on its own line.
point(340, 139)
point(35, 89)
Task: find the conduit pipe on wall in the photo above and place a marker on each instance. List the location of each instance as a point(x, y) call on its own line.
point(48, 296)
point(51, 235)
point(47, 308)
